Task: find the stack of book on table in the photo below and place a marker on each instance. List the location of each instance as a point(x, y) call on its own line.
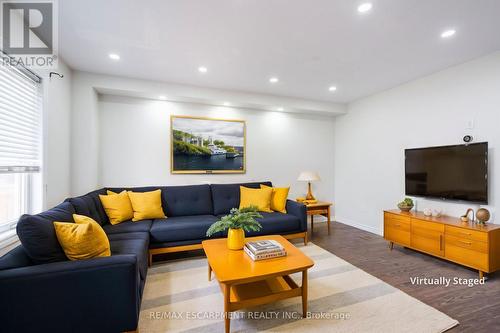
point(265, 249)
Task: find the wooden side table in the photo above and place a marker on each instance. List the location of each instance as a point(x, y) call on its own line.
point(320, 208)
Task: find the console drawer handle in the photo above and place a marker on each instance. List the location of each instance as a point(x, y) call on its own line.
point(467, 243)
point(465, 233)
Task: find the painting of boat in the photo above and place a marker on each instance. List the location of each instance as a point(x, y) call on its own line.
point(232, 154)
point(205, 145)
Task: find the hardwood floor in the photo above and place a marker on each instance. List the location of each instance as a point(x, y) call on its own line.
point(476, 308)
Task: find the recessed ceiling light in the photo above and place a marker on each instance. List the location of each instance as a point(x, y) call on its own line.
point(448, 33)
point(226, 104)
point(274, 79)
point(162, 97)
point(202, 69)
point(365, 7)
point(114, 56)
point(332, 88)
point(280, 109)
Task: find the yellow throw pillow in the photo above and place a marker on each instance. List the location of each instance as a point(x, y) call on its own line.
point(278, 198)
point(259, 197)
point(146, 205)
point(84, 239)
point(117, 206)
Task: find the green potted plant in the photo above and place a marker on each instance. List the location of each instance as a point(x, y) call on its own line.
point(406, 205)
point(238, 221)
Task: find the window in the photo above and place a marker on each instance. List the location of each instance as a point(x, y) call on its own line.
point(20, 145)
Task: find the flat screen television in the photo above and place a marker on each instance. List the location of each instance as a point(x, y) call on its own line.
point(457, 172)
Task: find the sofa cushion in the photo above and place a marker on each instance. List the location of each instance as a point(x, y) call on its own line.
point(146, 205)
point(128, 226)
point(259, 198)
point(38, 236)
point(187, 200)
point(275, 224)
point(15, 258)
point(117, 206)
point(141, 190)
point(181, 228)
point(90, 205)
point(279, 198)
point(84, 239)
point(129, 235)
point(136, 246)
point(144, 236)
point(227, 196)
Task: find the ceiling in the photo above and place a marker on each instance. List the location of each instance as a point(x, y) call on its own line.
point(309, 45)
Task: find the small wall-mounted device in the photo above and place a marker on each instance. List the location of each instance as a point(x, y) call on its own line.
point(55, 73)
point(468, 138)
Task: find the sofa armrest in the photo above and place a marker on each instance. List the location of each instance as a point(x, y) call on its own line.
point(297, 209)
point(95, 295)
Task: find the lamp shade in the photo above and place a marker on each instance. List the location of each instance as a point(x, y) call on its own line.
point(308, 176)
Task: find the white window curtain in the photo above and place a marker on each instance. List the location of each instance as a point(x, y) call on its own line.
point(20, 144)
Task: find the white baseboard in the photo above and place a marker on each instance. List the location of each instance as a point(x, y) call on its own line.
point(361, 226)
point(319, 219)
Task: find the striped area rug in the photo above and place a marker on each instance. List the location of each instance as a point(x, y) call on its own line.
point(342, 298)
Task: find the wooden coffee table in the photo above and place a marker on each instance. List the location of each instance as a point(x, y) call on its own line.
point(246, 283)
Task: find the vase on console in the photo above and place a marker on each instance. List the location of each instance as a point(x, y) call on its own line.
point(482, 215)
point(427, 212)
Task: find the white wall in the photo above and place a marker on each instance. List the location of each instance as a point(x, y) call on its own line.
point(370, 139)
point(57, 115)
point(135, 145)
point(84, 135)
point(124, 141)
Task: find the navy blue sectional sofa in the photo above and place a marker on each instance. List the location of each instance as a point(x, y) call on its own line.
point(42, 291)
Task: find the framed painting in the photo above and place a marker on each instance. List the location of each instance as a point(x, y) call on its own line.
point(207, 145)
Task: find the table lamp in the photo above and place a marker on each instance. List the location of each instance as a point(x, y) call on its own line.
point(308, 176)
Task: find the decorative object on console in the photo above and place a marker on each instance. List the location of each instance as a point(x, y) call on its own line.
point(308, 176)
point(406, 205)
point(206, 145)
point(465, 217)
point(238, 221)
point(437, 212)
point(482, 215)
point(427, 212)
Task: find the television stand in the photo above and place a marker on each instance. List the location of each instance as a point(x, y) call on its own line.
point(469, 244)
